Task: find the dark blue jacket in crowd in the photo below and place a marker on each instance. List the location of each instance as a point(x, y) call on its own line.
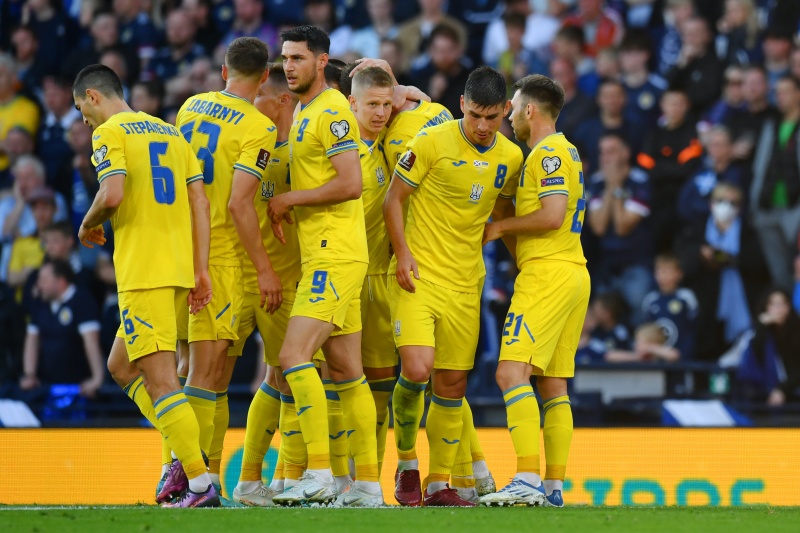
point(677, 315)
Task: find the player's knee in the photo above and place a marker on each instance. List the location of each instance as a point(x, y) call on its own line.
point(506, 377)
point(416, 373)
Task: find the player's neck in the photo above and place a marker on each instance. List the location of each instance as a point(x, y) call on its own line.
point(367, 135)
point(539, 132)
point(284, 124)
point(242, 89)
point(313, 91)
point(113, 107)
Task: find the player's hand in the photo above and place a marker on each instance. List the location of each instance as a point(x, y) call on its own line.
point(278, 208)
point(28, 382)
point(90, 387)
point(776, 398)
point(406, 265)
point(491, 232)
point(201, 294)
point(277, 230)
point(271, 290)
point(91, 236)
point(365, 62)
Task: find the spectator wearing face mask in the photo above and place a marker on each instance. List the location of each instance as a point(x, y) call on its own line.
point(725, 268)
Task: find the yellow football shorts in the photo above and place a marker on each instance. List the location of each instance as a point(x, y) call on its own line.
point(148, 319)
point(435, 316)
point(377, 344)
point(544, 322)
point(330, 291)
point(217, 320)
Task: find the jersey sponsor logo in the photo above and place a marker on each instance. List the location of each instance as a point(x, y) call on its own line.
point(303, 409)
point(512, 341)
point(381, 176)
point(551, 164)
point(133, 339)
point(100, 154)
point(549, 182)
point(315, 300)
point(274, 161)
point(396, 142)
point(267, 189)
point(102, 166)
point(459, 163)
point(475, 194)
point(407, 161)
point(548, 149)
point(480, 164)
point(340, 129)
point(331, 111)
point(271, 129)
point(95, 137)
point(454, 441)
point(262, 159)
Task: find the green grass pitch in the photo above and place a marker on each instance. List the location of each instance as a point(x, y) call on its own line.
point(484, 520)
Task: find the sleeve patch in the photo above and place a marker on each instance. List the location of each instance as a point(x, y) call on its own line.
point(262, 159)
point(340, 128)
point(102, 166)
point(551, 164)
point(407, 161)
point(100, 154)
point(549, 182)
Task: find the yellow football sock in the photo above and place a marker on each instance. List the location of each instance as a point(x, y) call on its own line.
point(523, 423)
point(179, 425)
point(337, 431)
point(476, 450)
point(408, 406)
point(292, 445)
point(444, 426)
point(557, 436)
point(381, 393)
point(136, 392)
point(312, 410)
point(278, 474)
point(204, 405)
point(262, 421)
point(359, 417)
point(222, 417)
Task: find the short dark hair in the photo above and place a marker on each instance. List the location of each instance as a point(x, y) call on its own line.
point(333, 72)
point(153, 88)
point(63, 227)
point(316, 40)
point(665, 258)
point(486, 87)
point(100, 78)
point(372, 77)
point(615, 136)
point(345, 81)
point(248, 56)
point(546, 93)
point(514, 20)
point(614, 304)
point(61, 269)
point(790, 79)
point(447, 31)
point(277, 76)
point(636, 40)
point(573, 34)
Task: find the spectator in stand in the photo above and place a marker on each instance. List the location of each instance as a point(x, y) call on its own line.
point(777, 59)
point(540, 29)
point(15, 109)
point(577, 106)
point(30, 68)
point(27, 253)
point(609, 118)
point(650, 344)
point(105, 35)
point(671, 154)
point(115, 59)
point(367, 41)
point(770, 367)
point(602, 26)
point(718, 167)
point(81, 171)
point(443, 77)
point(207, 34)
point(416, 34)
point(55, 31)
point(672, 307)
point(669, 47)
point(517, 61)
point(62, 345)
point(137, 31)
point(476, 16)
point(181, 49)
point(737, 41)
point(732, 100)
point(249, 22)
point(725, 268)
point(794, 63)
point(52, 146)
point(698, 71)
point(18, 143)
point(643, 88)
point(146, 97)
point(287, 13)
point(392, 53)
point(607, 311)
point(775, 192)
point(746, 125)
point(569, 44)
point(619, 204)
point(322, 14)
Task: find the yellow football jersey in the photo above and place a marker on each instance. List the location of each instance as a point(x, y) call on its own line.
point(408, 123)
point(553, 167)
point(18, 112)
point(152, 226)
point(285, 259)
point(457, 185)
point(323, 128)
point(375, 173)
point(227, 133)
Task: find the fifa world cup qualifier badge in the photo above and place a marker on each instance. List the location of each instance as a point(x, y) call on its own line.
point(407, 161)
point(262, 159)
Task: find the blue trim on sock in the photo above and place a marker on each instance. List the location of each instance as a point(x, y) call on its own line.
point(270, 391)
point(222, 394)
point(203, 394)
point(127, 387)
point(382, 385)
point(332, 395)
point(167, 396)
point(133, 395)
point(347, 381)
point(171, 407)
point(411, 385)
point(515, 387)
point(298, 368)
point(519, 397)
point(447, 402)
point(285, 398)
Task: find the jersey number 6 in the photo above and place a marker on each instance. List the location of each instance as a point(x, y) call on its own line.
point(163, 178)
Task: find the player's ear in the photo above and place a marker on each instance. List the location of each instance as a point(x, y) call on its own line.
point(322, 60)
point(507, 108)
point(93, 96)
point(353, 105)
point(264, 77)
point(461, 103)
point(225, 72)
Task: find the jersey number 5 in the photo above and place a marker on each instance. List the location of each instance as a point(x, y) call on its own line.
point(204, 153)
point(163, 178)
point(577, 220)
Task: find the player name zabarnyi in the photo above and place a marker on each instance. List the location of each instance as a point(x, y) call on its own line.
point(216, 110)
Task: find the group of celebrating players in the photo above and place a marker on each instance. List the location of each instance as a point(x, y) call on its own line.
point(347, 226)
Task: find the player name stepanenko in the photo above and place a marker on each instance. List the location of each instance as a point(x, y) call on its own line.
point(145, 126)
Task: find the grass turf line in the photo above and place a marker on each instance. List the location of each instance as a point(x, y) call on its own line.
point(607, 520)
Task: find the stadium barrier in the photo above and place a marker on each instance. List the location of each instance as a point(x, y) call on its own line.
point(727, 467)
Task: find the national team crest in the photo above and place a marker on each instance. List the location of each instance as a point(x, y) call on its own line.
point(477, 191)
point(267, 189)
point(381, 176)
point(396, 328)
